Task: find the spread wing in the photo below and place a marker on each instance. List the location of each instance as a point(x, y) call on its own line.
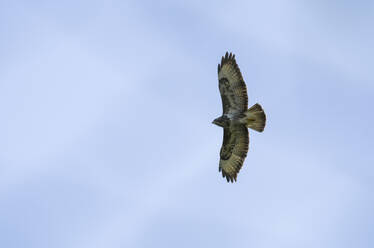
point(233, 151)
point(231, 86)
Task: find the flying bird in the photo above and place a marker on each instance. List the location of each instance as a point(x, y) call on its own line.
point(236, 117)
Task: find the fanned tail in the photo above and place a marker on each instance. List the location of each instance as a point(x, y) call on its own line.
point(255, 118)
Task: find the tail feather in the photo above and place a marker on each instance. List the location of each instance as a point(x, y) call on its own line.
point(255, 118)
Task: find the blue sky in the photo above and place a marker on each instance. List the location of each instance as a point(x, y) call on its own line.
point(106, 134)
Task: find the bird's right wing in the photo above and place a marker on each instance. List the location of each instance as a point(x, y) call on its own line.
point(233, 151)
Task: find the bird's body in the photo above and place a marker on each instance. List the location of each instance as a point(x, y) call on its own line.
point(236, 118)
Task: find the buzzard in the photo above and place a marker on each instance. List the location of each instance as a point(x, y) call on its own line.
point(236, 117)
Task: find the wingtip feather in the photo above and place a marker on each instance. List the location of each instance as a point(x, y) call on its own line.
point(229, 178)
point(228, 58)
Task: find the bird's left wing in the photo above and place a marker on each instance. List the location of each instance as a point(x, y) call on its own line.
point(233, 151)
point(231, 86)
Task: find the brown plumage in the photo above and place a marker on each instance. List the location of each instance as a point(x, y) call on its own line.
point(236, 117)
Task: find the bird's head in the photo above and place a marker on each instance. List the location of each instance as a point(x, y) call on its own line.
point(220, 121)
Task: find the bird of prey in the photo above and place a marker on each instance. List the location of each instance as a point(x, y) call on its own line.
point(236, 117)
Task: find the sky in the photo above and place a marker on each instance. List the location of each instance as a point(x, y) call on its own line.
point(106, 137)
